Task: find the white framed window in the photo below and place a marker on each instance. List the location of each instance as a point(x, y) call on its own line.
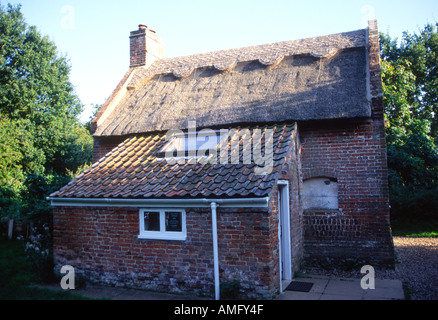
point(162, 224)
point(192, 144)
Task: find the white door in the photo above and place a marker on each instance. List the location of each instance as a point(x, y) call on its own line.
point(284, 232)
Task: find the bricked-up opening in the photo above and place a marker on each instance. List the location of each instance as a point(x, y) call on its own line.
point(320, 193)
point(145, 47)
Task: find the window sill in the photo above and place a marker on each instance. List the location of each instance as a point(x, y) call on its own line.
point(167, 237)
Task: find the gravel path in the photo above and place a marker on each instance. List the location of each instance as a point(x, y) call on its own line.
point(416, 266)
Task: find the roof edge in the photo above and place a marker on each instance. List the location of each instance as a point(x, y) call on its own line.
point(374, 75)
point(115, 97)
point(170, 203)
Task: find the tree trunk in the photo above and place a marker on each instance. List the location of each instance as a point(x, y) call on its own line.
point(10, 228)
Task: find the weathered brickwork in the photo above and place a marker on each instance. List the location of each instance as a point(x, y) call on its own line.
point(355, 155)
point(103, 145)
point(102, 245)
point(145, 47)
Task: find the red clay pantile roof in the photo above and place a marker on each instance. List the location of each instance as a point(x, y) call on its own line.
point(135, 169)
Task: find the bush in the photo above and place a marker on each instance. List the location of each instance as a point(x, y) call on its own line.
point(15, 269)
point(38, 249)
point(414, 204)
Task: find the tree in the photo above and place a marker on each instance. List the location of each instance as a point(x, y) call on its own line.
point(417, 54)
point(410, 102)
point(40, 133)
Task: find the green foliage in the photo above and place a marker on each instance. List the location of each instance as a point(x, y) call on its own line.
point(17, 276)
point(410, 86)
point(34, 82)
point(417, 57)
point(415, 228)
point(39, 250)
point(412, 155)
point(398, 85)
point(41, 139)
point(42, 143)
point(18, 154)
point(14, 266)
point(35, 190)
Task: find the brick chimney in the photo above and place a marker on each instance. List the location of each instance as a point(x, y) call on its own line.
point(146, 47)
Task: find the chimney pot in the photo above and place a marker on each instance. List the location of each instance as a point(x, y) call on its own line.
point(142, 27)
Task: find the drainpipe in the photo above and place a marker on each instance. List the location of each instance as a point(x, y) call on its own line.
point(215, 250)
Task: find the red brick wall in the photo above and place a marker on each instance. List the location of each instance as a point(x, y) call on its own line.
point(102, 245)
point(354, 154)
point(247, 242)
point(103, 145)
point(137, 41)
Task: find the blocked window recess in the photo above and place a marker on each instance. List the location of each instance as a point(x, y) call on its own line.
point(320, 193)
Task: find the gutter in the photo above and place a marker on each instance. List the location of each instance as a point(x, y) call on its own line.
point(168, 203)
point(172, 203)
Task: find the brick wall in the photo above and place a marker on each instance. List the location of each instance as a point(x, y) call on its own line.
point(102, 245)
point(145, 47)
point(355, 155)
point(103, 145)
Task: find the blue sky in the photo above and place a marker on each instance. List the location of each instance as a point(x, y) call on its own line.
point(94, 34)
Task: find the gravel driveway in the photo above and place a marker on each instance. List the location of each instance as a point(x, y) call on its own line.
point(416, 266)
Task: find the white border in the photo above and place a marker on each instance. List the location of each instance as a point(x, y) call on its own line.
point(162, 234)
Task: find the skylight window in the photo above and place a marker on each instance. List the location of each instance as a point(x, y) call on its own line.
point(192, 144)
point(224, 146)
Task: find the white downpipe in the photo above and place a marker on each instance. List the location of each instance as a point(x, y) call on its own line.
point(215, 251)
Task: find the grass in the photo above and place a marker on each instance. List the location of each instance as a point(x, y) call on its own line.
point(415, 228)
point(17, 279)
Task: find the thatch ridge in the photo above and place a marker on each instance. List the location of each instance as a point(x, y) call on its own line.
point(309, 79)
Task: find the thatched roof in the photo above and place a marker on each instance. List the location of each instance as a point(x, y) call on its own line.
point(311, 79)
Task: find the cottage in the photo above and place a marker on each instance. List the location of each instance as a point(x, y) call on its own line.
point(235, 165)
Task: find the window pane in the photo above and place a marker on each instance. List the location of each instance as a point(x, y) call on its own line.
point(152, 221)
point(175, 146)
point(205, 142)
point(173, 221)
point(180, 145)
